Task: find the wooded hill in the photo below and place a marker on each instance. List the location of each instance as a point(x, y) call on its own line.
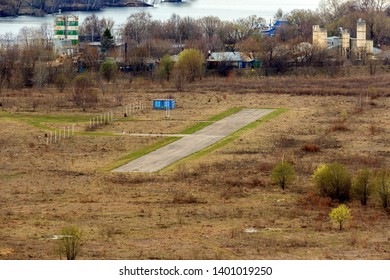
point(42, 7)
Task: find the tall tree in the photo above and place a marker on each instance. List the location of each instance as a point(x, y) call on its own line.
point(137, 28)
point(107, 41)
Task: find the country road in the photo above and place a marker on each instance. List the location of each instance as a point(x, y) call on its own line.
point(193, 143)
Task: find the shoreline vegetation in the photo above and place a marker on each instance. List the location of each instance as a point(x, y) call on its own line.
point(19, 8)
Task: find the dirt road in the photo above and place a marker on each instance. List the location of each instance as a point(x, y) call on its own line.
point(192, 143)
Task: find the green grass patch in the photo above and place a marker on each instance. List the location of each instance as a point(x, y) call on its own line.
point(225, 114)
point(139, 153)
point(228, 139)
point(42, 121)
point(10, 176)
point(201, 125)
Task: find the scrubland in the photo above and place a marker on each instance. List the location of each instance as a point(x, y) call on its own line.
point(220, 204)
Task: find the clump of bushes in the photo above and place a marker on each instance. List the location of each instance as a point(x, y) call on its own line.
point(334, 181)
point(382, 183)
point(363, 186)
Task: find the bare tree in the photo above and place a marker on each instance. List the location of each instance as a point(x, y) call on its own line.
point(136, 28)
point(91, 28)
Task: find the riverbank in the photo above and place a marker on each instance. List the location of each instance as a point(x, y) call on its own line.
point(24, 9)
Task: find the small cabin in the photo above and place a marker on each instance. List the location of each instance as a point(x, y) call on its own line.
point(164, 104)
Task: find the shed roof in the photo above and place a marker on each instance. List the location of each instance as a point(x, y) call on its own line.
point(229, 56)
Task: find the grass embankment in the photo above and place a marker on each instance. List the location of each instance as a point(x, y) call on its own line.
point(44, 122)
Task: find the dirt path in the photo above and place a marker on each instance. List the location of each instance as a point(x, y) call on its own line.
point(192, 143)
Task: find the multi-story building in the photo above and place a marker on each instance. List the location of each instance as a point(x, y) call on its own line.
point(66, 33)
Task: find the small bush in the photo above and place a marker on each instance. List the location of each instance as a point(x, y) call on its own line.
point(108, 69)
point(185, 198)
point(69, 243)
point(340, 215)
point(382, 184)
point(362, 186)
point(60, 81)
point(333, 181)
point(283, 174)
point(165, 68)
point(83, 96)
point(339, 126)
point(374, 129)
point(313, 201)
point(311, 148)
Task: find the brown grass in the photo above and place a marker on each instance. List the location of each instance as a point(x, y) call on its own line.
point(201, 209)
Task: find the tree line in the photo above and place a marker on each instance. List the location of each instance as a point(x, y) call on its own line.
point(30, 61)
point(41, 7)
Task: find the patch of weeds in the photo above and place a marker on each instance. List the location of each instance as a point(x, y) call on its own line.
point(339, 126)
point(286, 142)
point(375, 129)
point(310, 148)
point(185, 198)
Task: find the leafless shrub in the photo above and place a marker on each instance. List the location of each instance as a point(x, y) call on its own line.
point(83, 94)
point(339, 126)
point(235, 232)
point(359, 161)
point(312, 201)
point(185, 198)
point(286, 142)
point(375, 129)
point(311, 148)
point(60, 81)
point(109, 231)
point(182, 173)
point(88, 199)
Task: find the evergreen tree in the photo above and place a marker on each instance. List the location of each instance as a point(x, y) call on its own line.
point(107, 40)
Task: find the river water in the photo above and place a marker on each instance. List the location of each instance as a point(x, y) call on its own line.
point(224, 9)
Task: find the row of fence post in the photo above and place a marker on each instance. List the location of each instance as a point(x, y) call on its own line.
point(103, 119)
point(133, 108)
point(60, 134)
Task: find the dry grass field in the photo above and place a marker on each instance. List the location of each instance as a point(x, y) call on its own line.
point(205, 206)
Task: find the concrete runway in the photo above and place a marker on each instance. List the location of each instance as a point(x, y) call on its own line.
point(193, 143)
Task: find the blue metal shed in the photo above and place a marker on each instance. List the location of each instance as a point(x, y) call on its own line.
point(164, 104)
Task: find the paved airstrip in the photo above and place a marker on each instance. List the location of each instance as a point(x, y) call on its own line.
point(193, 143)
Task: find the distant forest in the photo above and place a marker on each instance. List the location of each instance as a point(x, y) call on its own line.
point(42, 7)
